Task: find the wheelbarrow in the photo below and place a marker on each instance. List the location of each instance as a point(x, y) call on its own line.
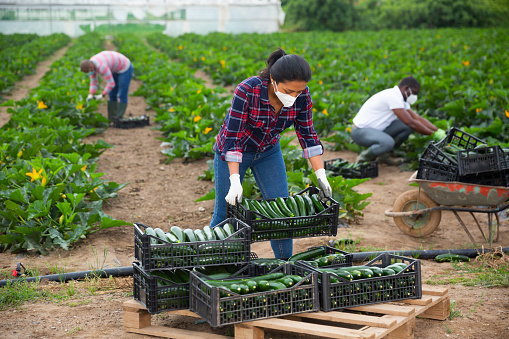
point(418, 212)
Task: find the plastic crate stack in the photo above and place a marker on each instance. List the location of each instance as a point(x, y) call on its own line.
point(161, 262)
point(132, 122)
point(477, 163)
point(359, 171)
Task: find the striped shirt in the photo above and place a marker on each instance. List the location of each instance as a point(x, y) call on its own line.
point(106, 63)
point(251, 124)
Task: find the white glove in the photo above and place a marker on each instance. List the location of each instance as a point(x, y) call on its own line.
point(98, 97)
point(235, 192)
point(323, 184)
point(90, 97)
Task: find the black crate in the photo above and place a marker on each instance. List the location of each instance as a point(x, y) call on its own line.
point(265, 268)
point(234, 249)
point(132, 122)
point(157, 297)
point(217, 310)
point(484, 159)
point(435, 153)
point(460, 138)
point(344, 261)
point(263, 228)
point(431, 170)
point(369, 170)
point(403, 285)
point(491, 178)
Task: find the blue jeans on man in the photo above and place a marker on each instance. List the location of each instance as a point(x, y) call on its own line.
point(269, 172)
point(122, 82)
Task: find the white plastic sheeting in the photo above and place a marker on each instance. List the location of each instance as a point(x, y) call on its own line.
point(178, 16)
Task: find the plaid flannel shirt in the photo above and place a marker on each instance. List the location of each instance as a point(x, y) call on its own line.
point(251, 124)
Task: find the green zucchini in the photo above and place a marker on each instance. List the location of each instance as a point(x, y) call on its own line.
point(276, 209)
point(234, 288)
point(172, 238)
point(268, 209)
point(387, 271)
point(292, 205)
point(262, 285)
point(309, 254)
point(208, 233)
point(366, 273)
point(160, 233)
point(284, 208)
point(252, 285)
point(322, 261)
point(273, 285)
point(301, 205)
point(451, 257)
point(178, 233)
point(288, 282)
point(395, 268)
point(310, 208)
point(377, 271)
point(228, 230)
point(354, 273)
point(219, 233)
point(200, 236)
point(150, 231)
point(318, 204)
point(257, 207)
point(244, 289)
point(189, 234)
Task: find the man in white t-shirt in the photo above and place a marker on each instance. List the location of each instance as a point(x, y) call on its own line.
point(386, 120)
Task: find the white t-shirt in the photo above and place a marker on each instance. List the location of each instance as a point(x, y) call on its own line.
point(377, 112)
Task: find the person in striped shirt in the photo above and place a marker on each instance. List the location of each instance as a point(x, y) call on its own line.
point(117, 70)
point(262, 108)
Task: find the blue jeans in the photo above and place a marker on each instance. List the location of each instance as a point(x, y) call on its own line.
point(270, 174)
point(384, 141)
point(122, 82)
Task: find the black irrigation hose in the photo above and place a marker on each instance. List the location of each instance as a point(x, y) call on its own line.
point(425, 254)
point(104, 273)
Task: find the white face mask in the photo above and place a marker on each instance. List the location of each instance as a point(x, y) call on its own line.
point(91, 73)
point(411, 99)
point(286, 99)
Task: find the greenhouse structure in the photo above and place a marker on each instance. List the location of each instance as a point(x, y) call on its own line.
point(176, 17)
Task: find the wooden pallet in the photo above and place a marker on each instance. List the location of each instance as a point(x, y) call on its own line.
point(394, 320)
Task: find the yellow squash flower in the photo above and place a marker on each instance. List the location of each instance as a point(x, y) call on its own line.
point(180, 47)
point(507, 114)
point(197, 118)
point(41, 105)
point(466, 63)
point(320, 82)
point(202, 58)
point(171, 109)
point(478, 110)
point(84, 168)
point(79, 106)
point(207, 129)
point(325, 111)
point(34, 174)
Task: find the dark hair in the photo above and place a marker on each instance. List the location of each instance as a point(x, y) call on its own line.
point(286, 67)
point(410, 82)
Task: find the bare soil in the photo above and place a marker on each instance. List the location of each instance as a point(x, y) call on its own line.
point(162, 194)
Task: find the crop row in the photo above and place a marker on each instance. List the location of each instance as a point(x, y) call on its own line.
point(24, 53)
point(50, 192)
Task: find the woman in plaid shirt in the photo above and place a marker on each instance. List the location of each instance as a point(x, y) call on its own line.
point(262, 108)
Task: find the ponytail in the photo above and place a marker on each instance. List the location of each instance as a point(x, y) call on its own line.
point(286, 67)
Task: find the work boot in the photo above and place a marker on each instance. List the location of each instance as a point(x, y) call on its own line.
point(112, 110)
point(366, 155)
point(387, 159)
point(122, 106)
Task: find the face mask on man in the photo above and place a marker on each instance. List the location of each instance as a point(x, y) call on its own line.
point(412, 98)
point(91, 73)
point(286, 99)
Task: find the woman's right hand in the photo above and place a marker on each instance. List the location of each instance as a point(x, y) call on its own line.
point(235, 192)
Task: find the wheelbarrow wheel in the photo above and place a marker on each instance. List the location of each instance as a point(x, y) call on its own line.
point(418, 225)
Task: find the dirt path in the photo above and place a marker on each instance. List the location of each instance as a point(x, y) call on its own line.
point(160, 195)
point(28, 82)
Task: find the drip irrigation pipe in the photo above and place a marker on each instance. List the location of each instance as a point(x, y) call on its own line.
point(425, 254)
point(104, 273)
